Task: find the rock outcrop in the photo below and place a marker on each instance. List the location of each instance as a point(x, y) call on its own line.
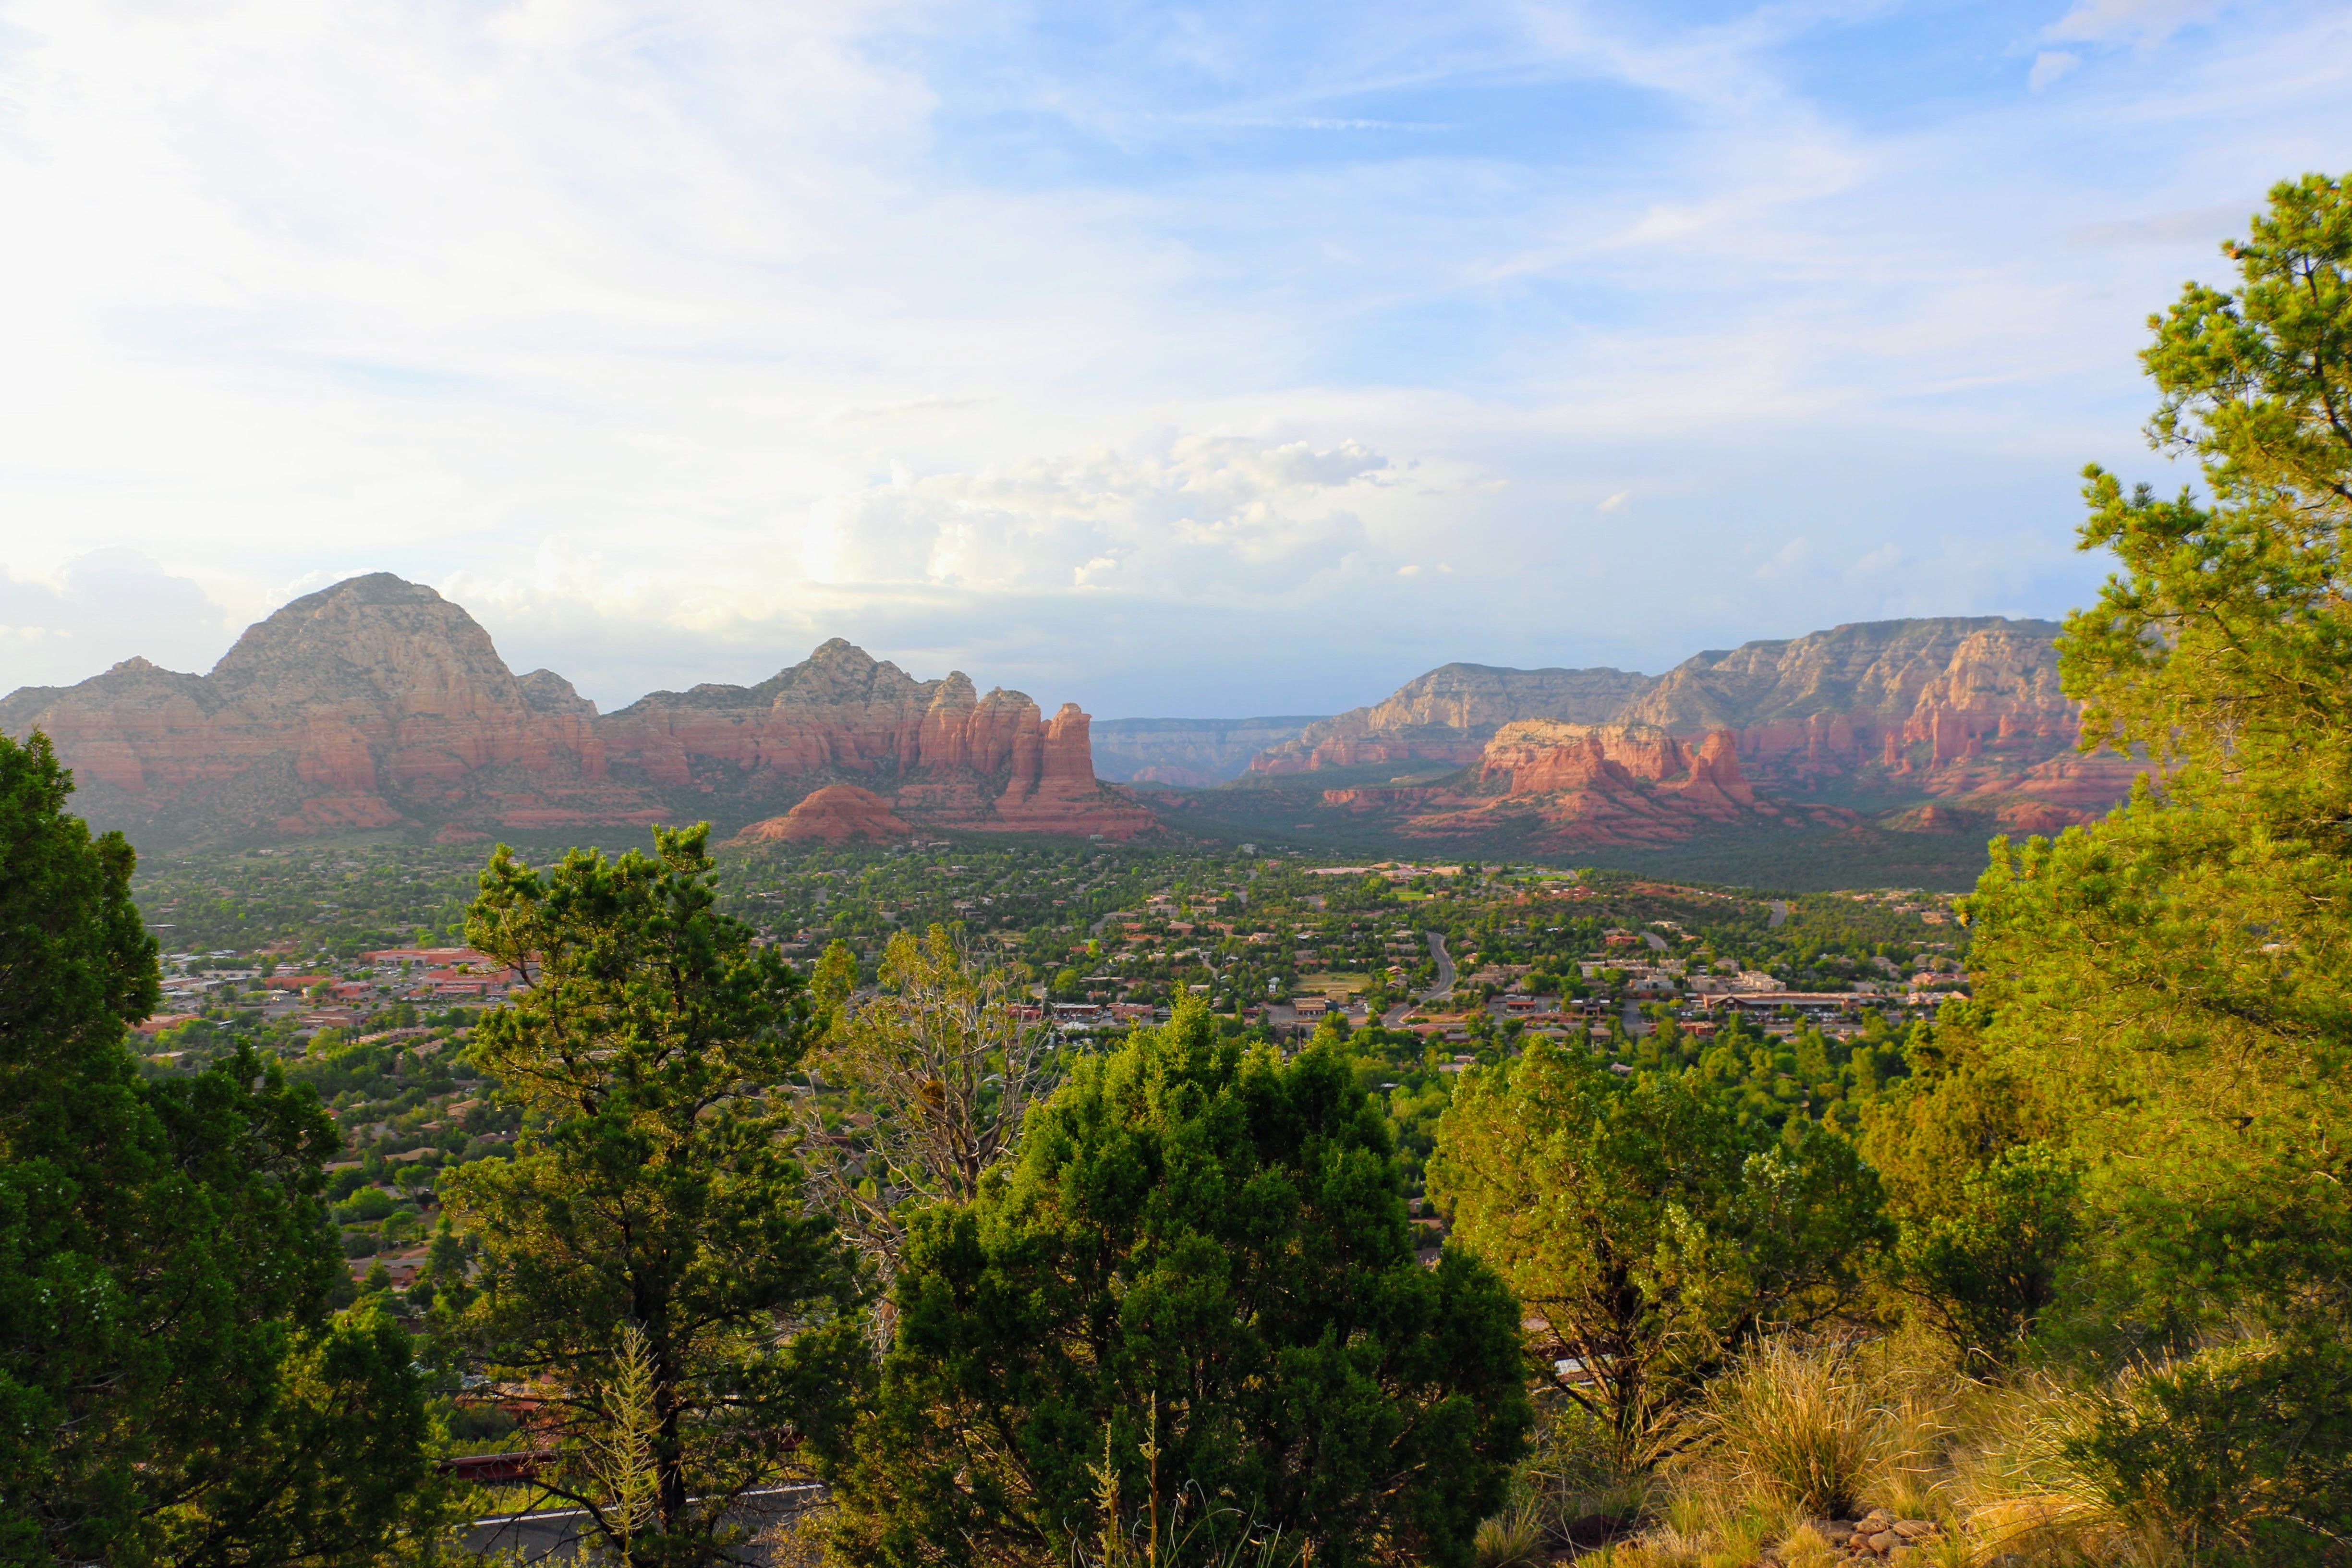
point(945, 754)
point(837, 813)
point(1960, 708)
point(378, 704)
point(1564, 787)
point(1448, 715)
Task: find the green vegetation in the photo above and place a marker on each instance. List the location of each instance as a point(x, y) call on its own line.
point(1195, 1288)
point(175, 1387)
point(644, 1262)
point(1650, 1232)
point(1193, 1206)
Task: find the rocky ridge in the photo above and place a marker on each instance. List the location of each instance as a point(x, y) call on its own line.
point(378, 704)
point(1563, 786)
point(1962, 708)
point(1449, 714)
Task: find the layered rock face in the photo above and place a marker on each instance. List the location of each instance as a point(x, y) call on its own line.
point(1965, 708)
point(1566, 785)
point(837, 813)
point(377, 703)
point(369, 704)
point(1448, 716)
point(945, 754)
point(1961, 707)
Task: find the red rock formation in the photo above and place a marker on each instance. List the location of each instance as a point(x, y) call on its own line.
point(1573, 784)
point(377, 704)
point(1448, 715)
point(836, 814)
point(946, 756)
point(1944, 707)
point(371, 704)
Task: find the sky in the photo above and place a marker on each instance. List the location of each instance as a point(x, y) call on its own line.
point(1202, 360)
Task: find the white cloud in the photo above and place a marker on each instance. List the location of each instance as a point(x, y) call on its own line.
point(1613, 503)
point(673, 338)
point(1205, 515)
point(101, 608)
point(2049, 65)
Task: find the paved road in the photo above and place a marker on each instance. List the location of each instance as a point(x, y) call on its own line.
point(1657, 943)
point(1445, 965)
point(559, 1534)
point(1780, 908)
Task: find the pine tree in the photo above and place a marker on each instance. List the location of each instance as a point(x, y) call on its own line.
point(1195, 1292)
point(172, 1388)
point(650, 1232)
point(2178, 979)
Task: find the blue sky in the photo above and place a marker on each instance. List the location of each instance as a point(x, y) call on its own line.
point(1176, 360)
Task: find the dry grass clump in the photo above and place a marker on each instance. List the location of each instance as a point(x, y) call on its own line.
point(1515, 1540)
point(1794, 1425)
point(2147, 1468)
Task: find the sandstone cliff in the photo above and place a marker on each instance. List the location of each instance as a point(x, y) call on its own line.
point(1568, 785)
point(375, 703)
point(378, 704)
point(945, 755)
point(1870, 714)
point(1449, 714)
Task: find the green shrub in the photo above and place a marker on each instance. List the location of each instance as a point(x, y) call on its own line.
point(2241, 1452)
point(366, 1206)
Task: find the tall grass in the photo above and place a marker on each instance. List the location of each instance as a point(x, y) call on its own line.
point(1796, 1425)
point(2151, 1468)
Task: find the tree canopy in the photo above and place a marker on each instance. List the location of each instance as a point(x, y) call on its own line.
point(645, 1258)
point(172, 1387)
point(2184, 969)
point(1649, 1230)
point(1193, 1303)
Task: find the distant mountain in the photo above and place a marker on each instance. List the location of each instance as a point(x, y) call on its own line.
point(1448, 716)
point(1196, 753)
point(378, 704)
point(1873, 715)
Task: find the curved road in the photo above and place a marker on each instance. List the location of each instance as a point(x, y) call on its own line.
point(1780, 908)
point(1444, 966)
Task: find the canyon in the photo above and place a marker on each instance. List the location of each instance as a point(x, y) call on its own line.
point(377, 704)
point(1193, 752)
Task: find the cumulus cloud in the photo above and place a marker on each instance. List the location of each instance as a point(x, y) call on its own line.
point(1207, 514)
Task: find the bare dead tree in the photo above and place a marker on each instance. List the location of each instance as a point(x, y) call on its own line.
point(928, 1083)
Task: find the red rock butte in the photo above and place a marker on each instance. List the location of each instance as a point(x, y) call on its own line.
point(378, 704)
point(1968, 710)
point(837, 813)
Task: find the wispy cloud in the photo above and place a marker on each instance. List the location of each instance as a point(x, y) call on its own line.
point(1150, 358)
